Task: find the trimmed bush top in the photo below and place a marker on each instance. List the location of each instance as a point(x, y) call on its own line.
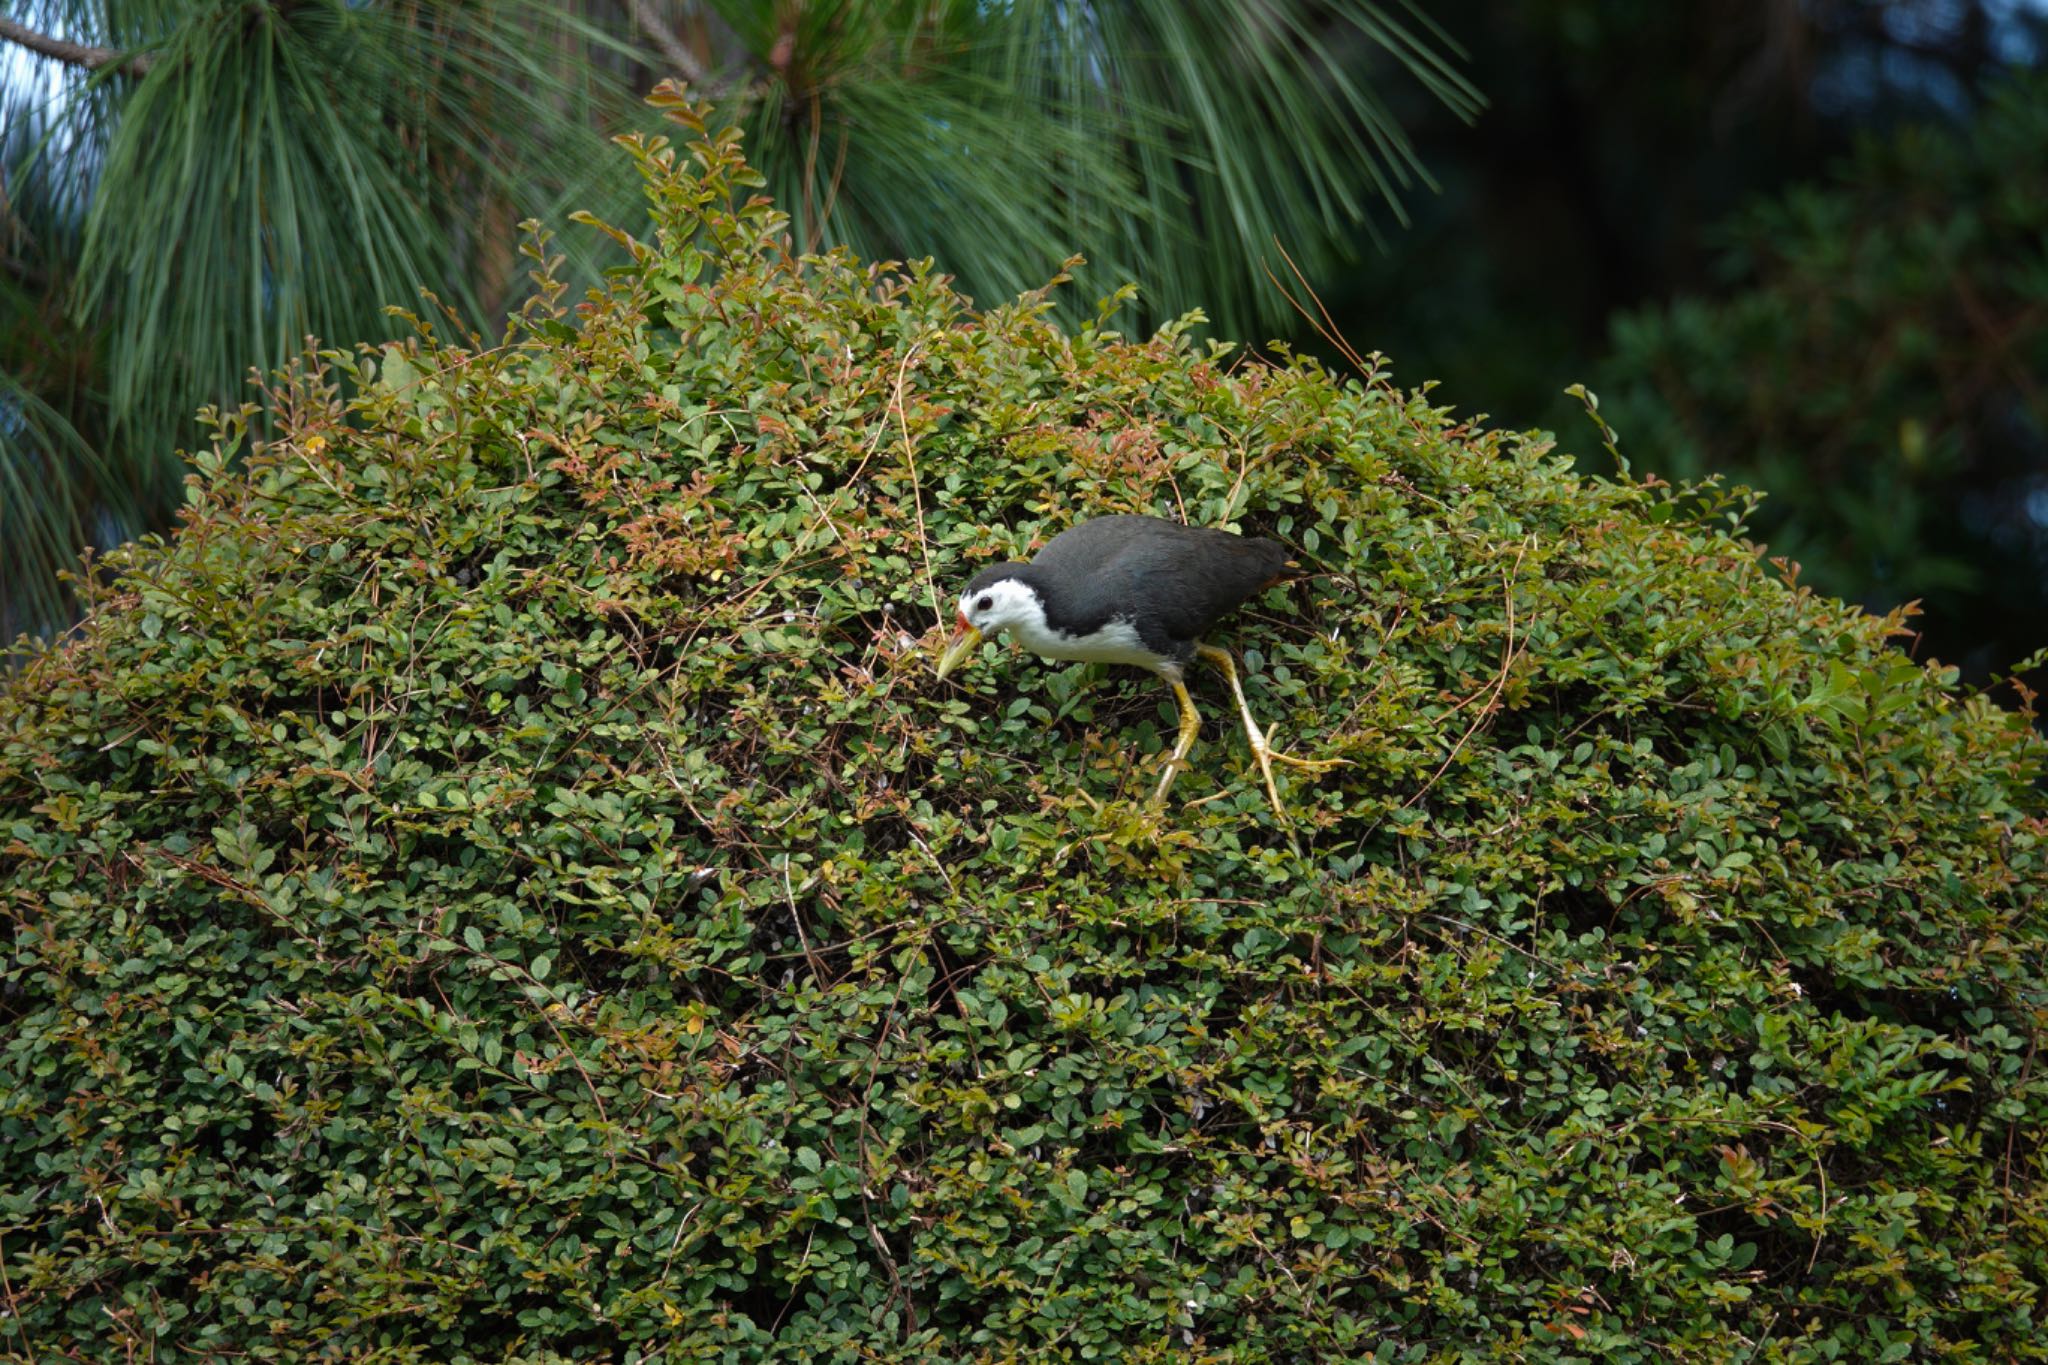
point(502, 882)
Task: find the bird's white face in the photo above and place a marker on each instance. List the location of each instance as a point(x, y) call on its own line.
point(1001, 605)
point(1005, 604)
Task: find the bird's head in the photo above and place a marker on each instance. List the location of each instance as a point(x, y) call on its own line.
point(996, 599)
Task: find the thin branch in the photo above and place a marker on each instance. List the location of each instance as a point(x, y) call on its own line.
point(28, 273)
point(1507, 663)
point(672, 47)
point(916, 494)
point(78, 54)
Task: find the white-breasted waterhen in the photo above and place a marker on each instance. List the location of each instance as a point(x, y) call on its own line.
point(1131, 590)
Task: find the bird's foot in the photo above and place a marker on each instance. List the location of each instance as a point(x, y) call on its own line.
point(1314, 765)
point(1266, 754)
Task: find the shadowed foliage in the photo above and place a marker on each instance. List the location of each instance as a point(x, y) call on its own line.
point(503, 883)
point(1877, 362)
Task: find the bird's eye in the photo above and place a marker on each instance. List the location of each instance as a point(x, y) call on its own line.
point(984, 604)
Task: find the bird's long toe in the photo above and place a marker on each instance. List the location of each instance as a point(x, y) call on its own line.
point(1314, 765)
point(1266, 754)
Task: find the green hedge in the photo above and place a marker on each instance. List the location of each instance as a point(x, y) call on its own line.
point(502, 882)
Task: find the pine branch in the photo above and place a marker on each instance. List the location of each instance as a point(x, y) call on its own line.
point(678, 53)
point(77, 54)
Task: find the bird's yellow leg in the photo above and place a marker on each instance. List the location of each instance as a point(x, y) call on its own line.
point(1190, 726)
point(1264, 752)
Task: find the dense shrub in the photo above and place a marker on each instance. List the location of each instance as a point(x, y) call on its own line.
point(502, 882)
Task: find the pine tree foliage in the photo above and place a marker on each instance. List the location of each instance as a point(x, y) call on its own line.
point(225, 178)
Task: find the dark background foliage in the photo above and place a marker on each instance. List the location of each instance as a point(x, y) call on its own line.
point(503, 883)
point(1746, 221)
point(1878, 359)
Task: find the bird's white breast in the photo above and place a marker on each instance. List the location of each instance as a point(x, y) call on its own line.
point(1115, 643)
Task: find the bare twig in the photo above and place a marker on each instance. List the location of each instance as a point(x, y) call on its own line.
point(944, 875)
point(87, 55)
point(1820, 1232)
point(916, 494)
point(1327, 328)
point(675, 49)
point(2012, 1128)
point(14, 1314)
point(27, 272)
point(677, 1241)
point(796, 917)
point(1507, 663)
point(867, 1099)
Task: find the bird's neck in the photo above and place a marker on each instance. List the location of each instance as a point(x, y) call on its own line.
point(1030, 622)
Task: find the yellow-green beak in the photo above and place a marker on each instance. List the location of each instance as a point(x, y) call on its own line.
point(965, 641)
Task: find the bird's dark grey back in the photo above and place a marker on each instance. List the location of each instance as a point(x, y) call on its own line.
point(1170, 581)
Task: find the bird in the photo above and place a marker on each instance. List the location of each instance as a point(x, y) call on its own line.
point(1132, 590)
